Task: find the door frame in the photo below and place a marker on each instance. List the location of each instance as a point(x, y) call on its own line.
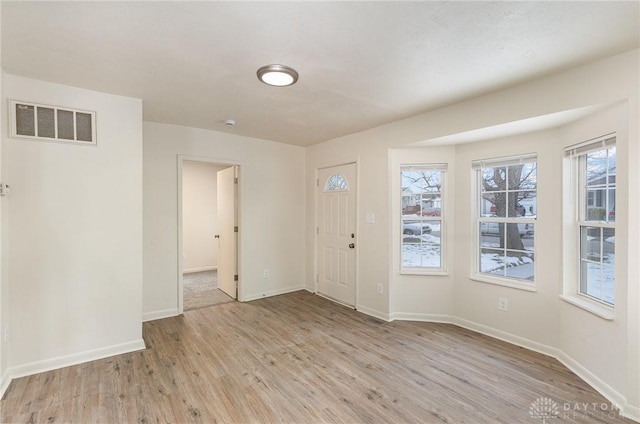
point(180, 242)
point(316, 247)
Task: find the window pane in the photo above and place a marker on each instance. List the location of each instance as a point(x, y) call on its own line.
point(596, 200)
point(25, 120)
point(490, 234)
point(494, 204)
point(520, 265)
point(611, 205)
point(494, 179)
point(425, 253)
point(525, 204)
point(590, 240)
point(528, 177)
point(418, 228)
point(46, 126)
point(609, 245)
point(597, 164)
point(492, 261)
point(597, 281)
point(514, 237)
point(527, 231)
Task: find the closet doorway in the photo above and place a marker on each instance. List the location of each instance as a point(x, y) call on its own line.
point(208, 211)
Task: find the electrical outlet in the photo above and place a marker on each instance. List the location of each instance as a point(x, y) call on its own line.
point(503, 304)
point(266, 273)
point(5, 333)
point(380, 288)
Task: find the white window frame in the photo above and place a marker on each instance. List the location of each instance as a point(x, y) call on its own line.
point(426, 270)
point(477, 167)
point(573, 292)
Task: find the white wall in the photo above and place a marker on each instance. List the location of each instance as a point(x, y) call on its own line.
point(75, 234)
point(272, 220)
point(199, 215)
point(540, 320)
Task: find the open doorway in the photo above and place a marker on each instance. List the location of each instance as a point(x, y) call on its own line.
point(207, 233)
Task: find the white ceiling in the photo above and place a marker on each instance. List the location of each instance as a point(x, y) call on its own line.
point(361, 64)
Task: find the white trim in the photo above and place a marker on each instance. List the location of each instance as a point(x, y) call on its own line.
point(598, 143)
point(408, 316)
point(631, 412)
point(592, 306)
point(75, 358)
point(166, 313)
point(180, 159)
point(269, 293)
point(593, 380)
point(504, 161)
point(506, 337)
point(505, 282)
point(373, 313)
point(4, 383)
point(201, 269)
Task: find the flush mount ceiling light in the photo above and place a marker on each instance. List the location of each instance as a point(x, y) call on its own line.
point(277, 75)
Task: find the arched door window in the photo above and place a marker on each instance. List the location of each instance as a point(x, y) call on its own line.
point(336, 182)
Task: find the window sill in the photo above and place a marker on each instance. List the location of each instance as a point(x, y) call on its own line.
point(434, 273)
point(505, 283)
point(602, 311)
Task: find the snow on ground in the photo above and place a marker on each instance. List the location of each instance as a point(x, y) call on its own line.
point(421, 251)
point(520, 267)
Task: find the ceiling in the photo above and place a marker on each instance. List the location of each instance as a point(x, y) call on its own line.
point(361, 64)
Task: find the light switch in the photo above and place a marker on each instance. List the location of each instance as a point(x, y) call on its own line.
point(370, 218)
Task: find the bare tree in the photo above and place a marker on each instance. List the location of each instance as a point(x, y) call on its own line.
point(505, 188)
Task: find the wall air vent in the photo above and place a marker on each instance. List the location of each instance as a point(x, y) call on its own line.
point(53, 123)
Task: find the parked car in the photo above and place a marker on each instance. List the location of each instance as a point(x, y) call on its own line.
point(416, 228)
point(492, 228)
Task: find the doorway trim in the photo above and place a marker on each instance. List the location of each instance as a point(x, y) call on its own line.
point(180, 247)
point(316, 244)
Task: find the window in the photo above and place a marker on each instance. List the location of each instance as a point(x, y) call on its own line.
point(336, 182)
point(594, 166)
point(505, 220)
point(422, 218)
point(30, 120)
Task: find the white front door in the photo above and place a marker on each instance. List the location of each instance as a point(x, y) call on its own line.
point(337, 233)
point(227, 252)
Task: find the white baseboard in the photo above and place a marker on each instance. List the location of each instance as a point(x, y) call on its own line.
point(167, 313)
point(201, 269)
point(373, 313)
point(594, 381)
point(5, 380)
point(407, 316)
point(74, 359)
point(276, 292)
point(506, 337)
point(632, 412)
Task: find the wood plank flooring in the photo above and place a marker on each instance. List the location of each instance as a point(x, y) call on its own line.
point(298, 358)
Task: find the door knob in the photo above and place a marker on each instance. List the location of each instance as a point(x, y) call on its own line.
point(351, 245)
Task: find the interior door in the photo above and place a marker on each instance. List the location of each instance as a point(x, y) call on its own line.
point(227, 253)
point(337, 233)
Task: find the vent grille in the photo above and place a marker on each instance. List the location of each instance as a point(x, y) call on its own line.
point(42, 122)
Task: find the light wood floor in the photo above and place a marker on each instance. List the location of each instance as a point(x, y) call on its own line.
point(298, 358)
